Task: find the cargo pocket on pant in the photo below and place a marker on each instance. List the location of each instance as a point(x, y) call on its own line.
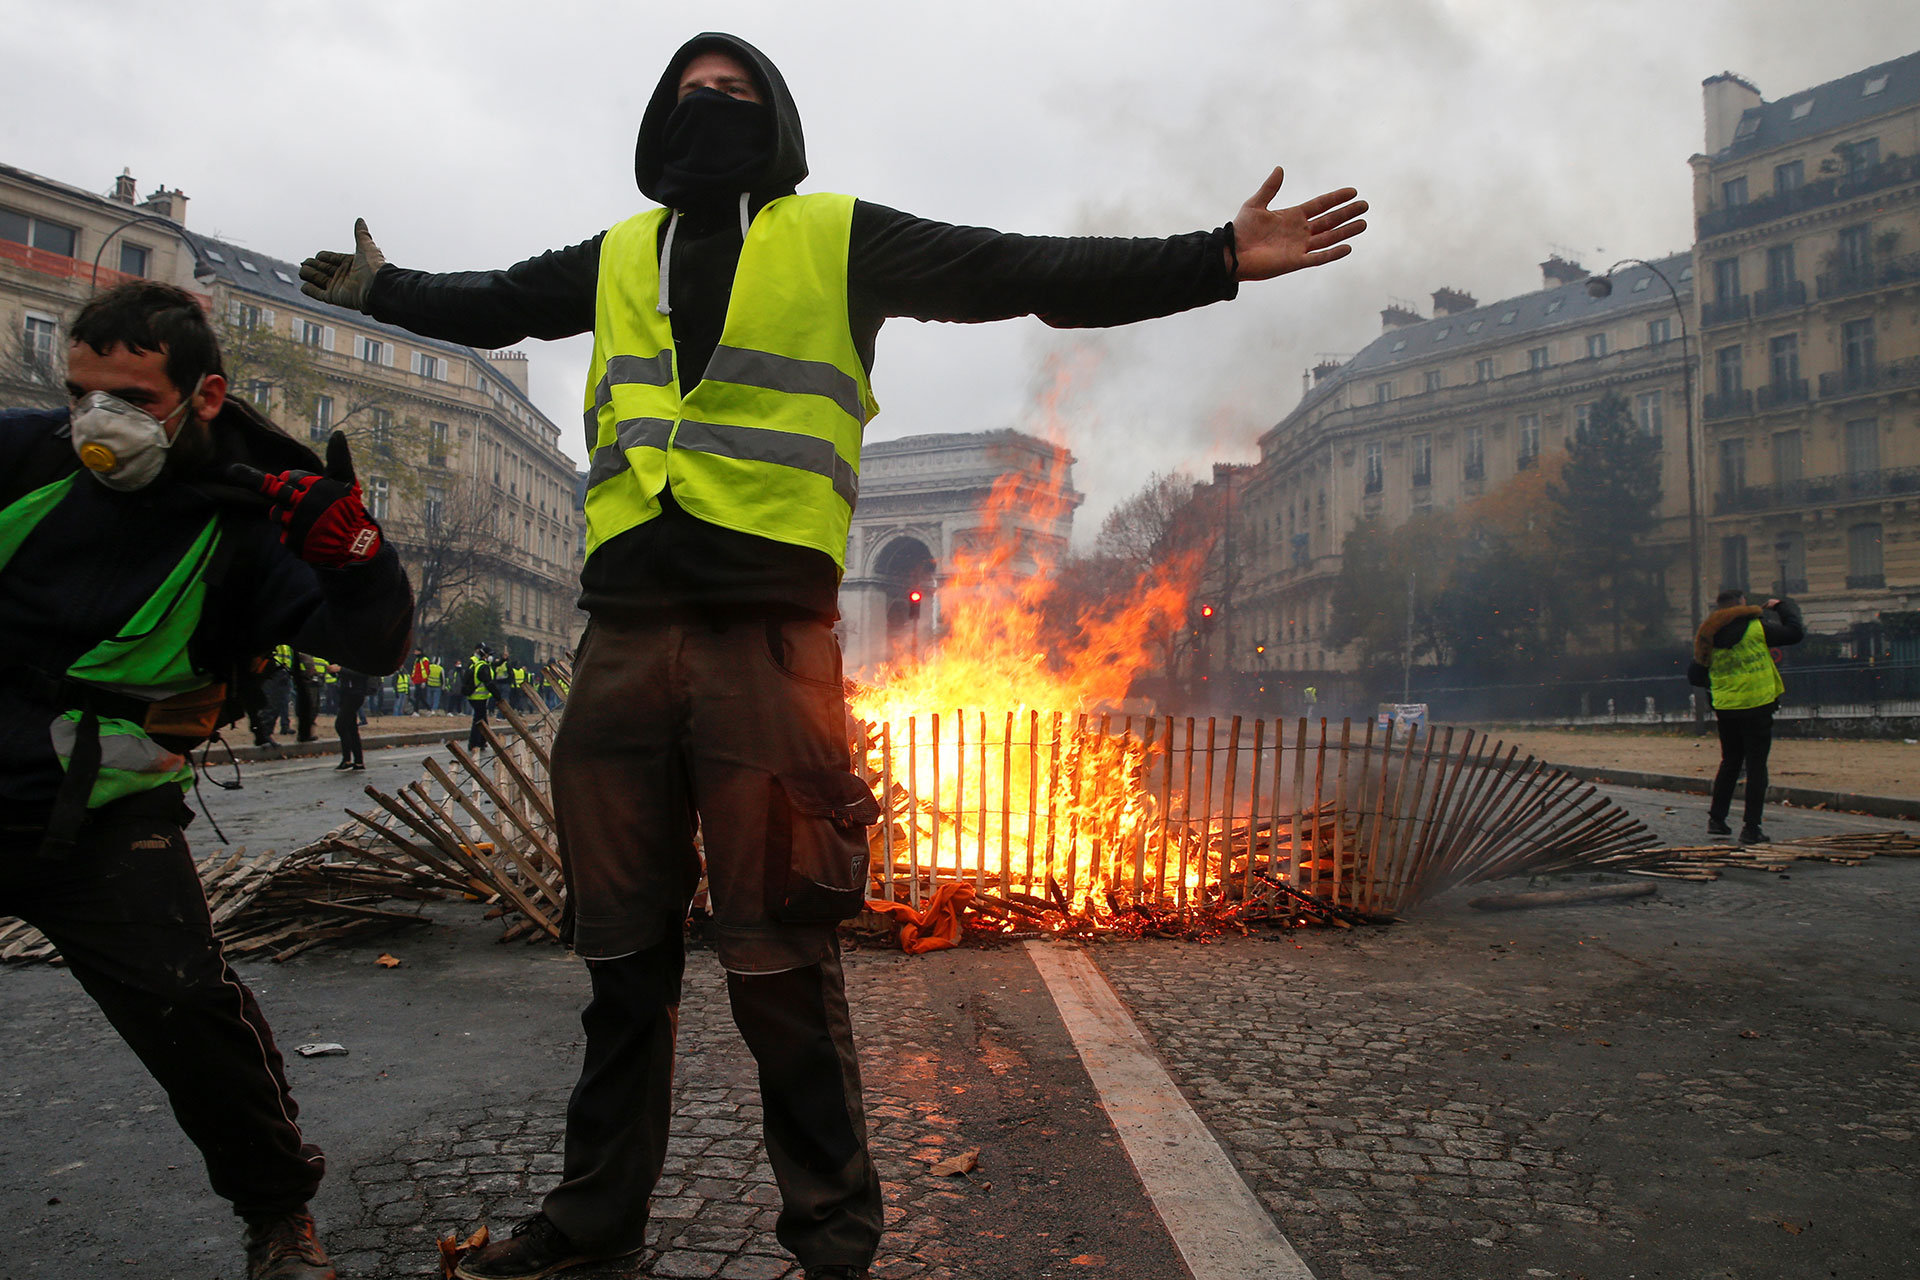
point(817, 846)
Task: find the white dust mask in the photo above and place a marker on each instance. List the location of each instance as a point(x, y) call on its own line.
point(124, 446)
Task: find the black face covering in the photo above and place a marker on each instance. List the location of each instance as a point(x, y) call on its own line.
point(716, 147)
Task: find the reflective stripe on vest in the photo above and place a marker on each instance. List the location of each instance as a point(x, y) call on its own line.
point(768, 443)
point(148, 660)
point(1745, 675)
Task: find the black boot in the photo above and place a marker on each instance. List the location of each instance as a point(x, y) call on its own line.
point(1752, 834)
point(536, 1249)
point(1718, 826)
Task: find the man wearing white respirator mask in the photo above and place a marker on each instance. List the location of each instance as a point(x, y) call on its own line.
point(153, 540)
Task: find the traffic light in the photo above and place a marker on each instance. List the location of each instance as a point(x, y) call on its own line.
point(913, 605)
point(1206, 617)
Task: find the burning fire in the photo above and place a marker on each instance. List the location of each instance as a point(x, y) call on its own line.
point(998, 750)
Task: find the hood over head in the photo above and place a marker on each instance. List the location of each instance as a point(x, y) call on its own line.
point(786, 164)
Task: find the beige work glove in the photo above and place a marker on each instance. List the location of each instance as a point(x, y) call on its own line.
point(344, 279)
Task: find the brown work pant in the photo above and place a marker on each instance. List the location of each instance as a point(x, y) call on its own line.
point(672, 728)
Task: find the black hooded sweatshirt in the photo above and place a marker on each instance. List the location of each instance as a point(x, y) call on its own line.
point(898, 265)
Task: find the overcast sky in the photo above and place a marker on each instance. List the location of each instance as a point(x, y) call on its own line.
point(1485, 132)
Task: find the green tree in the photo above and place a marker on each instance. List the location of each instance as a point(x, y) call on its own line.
point(1604, 507)
point(474, 620)
point(1382, 570)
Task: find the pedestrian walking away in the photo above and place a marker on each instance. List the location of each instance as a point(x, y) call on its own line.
point(157, 538)
point(1733, 659)
point(734, 328)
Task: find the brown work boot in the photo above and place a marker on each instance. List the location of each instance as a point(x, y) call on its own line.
point(282, 1246)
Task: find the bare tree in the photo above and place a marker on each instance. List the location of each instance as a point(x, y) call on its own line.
point(32, 375)
point(452, 546)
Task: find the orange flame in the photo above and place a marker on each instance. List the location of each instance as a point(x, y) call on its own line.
point(985, 737)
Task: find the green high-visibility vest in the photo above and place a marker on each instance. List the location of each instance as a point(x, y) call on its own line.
point(1745, 675)
point(148, 661)
point(768, 443)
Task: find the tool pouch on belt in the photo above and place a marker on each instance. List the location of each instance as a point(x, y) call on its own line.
point(817, 846)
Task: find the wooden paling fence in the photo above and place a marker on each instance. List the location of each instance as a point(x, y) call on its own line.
point(1095, 813)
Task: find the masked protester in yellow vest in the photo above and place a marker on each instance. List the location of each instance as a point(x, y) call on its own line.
point(1733, 659)
point(734, 328)
point(154, 540)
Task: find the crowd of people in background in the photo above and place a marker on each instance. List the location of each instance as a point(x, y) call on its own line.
point(296, 689)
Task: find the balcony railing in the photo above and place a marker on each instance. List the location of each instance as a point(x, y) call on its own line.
point(1725, 311)
point(1726, 404)
point(1864, 379)
point(1820, 491)
point(1814, 195)
point(1780, 395)
point(1863, 277)
point(1866, 581)
point(1780, 297)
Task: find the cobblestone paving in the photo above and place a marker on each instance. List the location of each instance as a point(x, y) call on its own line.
point(1710, 1092)
point(714, 1210)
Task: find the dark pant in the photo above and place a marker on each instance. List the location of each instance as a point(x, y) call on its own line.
point(475, 737)
point(1746, 737)
point(304, 707)
point(347, 725)
point(672, 728)
point(797, 1027)
point(126, 909)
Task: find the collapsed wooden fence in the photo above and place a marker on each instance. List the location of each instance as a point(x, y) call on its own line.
point(1094, 813)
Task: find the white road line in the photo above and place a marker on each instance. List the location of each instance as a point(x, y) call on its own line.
point(1221, 1230)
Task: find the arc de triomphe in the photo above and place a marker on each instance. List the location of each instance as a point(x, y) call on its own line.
point(921, 499)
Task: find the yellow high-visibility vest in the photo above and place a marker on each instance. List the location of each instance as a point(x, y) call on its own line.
point(1745, 675)
point(768, 442)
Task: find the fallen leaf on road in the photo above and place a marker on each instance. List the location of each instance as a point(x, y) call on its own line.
point(452, 1249)
point(1791, 1228)
point(952, 1166)
point(388, 962)
point(1749, 1035)
point(1088, 1260)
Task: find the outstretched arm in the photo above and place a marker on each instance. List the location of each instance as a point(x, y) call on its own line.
point(1271, 242)
point(549, 296)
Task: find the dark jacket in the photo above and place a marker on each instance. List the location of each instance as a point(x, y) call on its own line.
point(898, 265)
point(99, 554)
point(1725, 627)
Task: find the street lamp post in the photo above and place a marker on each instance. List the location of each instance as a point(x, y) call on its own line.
point(202, 269)
point(1601, 286)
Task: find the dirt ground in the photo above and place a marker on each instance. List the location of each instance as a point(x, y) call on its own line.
point(1880, 768)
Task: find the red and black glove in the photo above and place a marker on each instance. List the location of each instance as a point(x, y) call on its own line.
point(325, 523)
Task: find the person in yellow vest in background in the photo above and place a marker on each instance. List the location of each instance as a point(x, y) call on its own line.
point(309, 673)
point(726, 400)
point(401, 683)
point(479, 679)
point(436, 685)
point(1733, 658)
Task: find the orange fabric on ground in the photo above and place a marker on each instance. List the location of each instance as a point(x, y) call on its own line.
point(934, 927)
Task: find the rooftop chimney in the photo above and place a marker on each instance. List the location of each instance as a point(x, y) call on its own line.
point(123, 187)
point(1559, 271)
point(168, 204)
point(1727, 98)
point(1398, 316)
point(1451, 302)
point(1324, 370)
point(511, 365)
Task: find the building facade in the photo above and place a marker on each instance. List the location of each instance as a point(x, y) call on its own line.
point(1436, 412)
point(1808, 254)
point(464, 473)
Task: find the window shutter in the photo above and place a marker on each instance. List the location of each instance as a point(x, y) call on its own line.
point(386, 352)
point(266, 318)
point(326, 337)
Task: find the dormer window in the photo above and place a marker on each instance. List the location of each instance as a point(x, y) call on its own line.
point(1873, 86)
point(1801, 110)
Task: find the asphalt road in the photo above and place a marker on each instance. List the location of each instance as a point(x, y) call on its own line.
point(1461, 1096)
